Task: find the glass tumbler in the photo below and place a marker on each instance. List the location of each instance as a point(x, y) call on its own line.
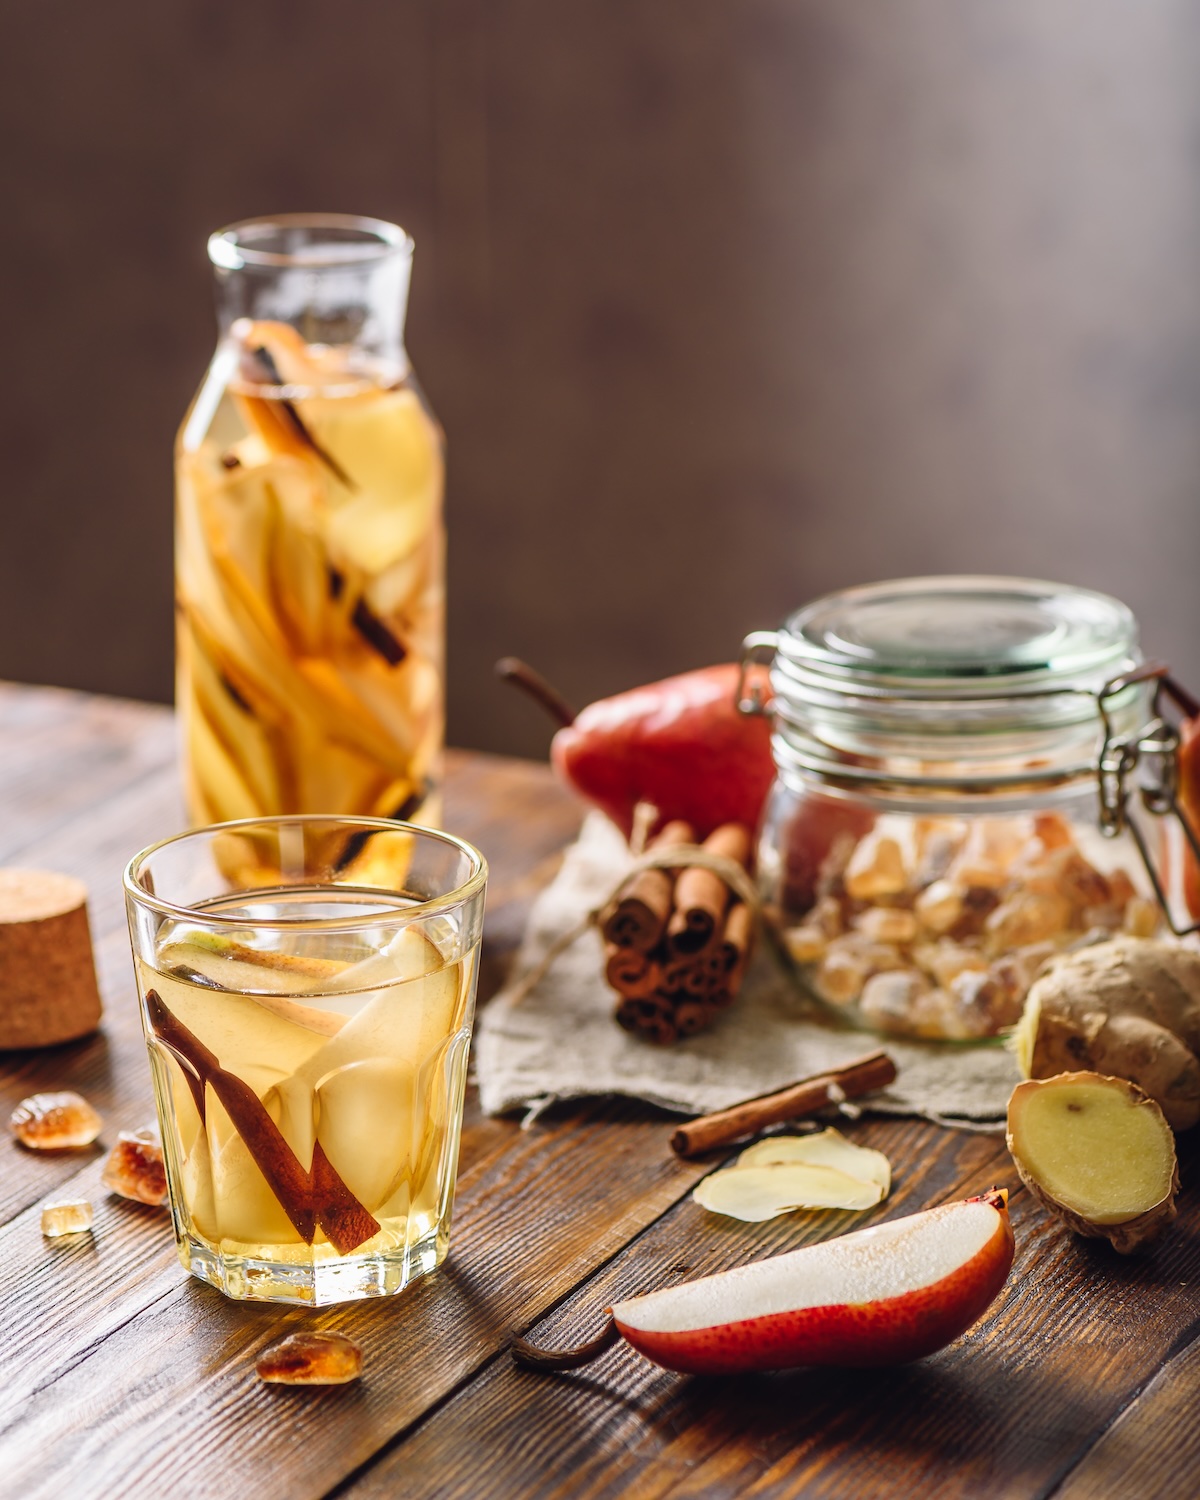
point(307, 989)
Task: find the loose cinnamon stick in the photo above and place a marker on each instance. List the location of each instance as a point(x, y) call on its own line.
point(701, 896)
point(318, 1196)
point(638, 916)
point(865, 1074)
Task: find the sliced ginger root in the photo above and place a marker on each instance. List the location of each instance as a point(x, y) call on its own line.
point(1130, 1008)
point(1097, 1152)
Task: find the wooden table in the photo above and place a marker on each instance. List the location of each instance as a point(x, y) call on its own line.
point(119, 1376)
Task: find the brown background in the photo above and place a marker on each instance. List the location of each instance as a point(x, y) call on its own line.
point(722, 304)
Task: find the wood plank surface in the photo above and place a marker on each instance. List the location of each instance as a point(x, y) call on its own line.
point(125, 1377)
point(1004, 1412)
point(62, 753)
point(1158, 1435)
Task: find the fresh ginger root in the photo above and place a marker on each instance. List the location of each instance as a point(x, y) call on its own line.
point(1098, 1153)
point(1129, 1008)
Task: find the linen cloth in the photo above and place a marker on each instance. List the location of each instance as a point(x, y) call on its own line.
point(559, 1041)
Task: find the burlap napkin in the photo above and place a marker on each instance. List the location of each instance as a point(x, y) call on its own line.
point(559, 1041)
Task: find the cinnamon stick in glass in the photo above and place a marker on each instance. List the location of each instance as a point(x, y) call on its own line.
point(701, 896)
point(864, 1075)
point(310, 1198)
point(638, 916)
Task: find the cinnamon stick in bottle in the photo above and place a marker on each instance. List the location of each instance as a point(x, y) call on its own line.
point(637, 917)
point(701, 896)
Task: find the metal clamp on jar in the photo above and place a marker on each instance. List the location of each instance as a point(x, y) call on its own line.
point(934, 834)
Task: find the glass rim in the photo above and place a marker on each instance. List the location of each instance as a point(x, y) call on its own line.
point(411, 911)
point(379, 239)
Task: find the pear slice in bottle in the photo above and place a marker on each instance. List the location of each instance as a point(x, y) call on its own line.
point(246, 740)
point(387, 444)
point(226, 789)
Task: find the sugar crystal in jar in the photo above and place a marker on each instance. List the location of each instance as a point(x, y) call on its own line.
point(933, 834)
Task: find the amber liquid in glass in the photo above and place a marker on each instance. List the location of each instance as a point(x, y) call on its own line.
point(309, 1091)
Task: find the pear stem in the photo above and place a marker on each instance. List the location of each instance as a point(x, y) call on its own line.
point(534, 1358)
point(531, 681)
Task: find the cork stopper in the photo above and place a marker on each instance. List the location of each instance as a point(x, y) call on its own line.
point(48, 990)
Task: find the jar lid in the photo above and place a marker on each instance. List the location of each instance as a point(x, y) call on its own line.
point(960, 629)
point(963, 681)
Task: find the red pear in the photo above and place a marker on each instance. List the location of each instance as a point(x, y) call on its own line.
point(683, 745)
point(680, 744)
point(879, 1296)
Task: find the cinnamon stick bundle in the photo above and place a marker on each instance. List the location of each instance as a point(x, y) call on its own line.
point(680, 983)
point(737, 937)
point(651, 1016)
point(639, 915)
point(701, 896)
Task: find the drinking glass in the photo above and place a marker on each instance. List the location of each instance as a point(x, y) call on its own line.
point(307, 988)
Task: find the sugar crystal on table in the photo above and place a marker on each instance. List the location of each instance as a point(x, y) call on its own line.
point(55, 1122)
point(66, 1218)
point(311, 1359)
point(135, 1168)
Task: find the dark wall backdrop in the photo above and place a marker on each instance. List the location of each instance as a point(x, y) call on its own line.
point(721, 304)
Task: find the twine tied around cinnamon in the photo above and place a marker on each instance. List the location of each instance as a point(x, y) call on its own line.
point(678, 856)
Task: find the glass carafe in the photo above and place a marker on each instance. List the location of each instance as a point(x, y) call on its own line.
point(310, 543)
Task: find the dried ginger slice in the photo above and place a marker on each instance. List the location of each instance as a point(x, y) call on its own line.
point(785, 1173)
point(758, 1193)
point(827, 1148)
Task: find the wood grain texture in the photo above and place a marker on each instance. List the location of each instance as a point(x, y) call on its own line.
point(122, 1376)
point(623, 1425)
point(145, 1404)
point(1157, 1435)
point(62, 753)
point(1005, 1411)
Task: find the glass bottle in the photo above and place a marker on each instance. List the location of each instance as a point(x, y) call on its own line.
point(939, 827)
point(310, 543)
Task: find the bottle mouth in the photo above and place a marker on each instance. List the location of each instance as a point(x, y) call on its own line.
point(312, 241)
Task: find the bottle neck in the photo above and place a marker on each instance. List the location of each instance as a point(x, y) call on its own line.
point(341, 283)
